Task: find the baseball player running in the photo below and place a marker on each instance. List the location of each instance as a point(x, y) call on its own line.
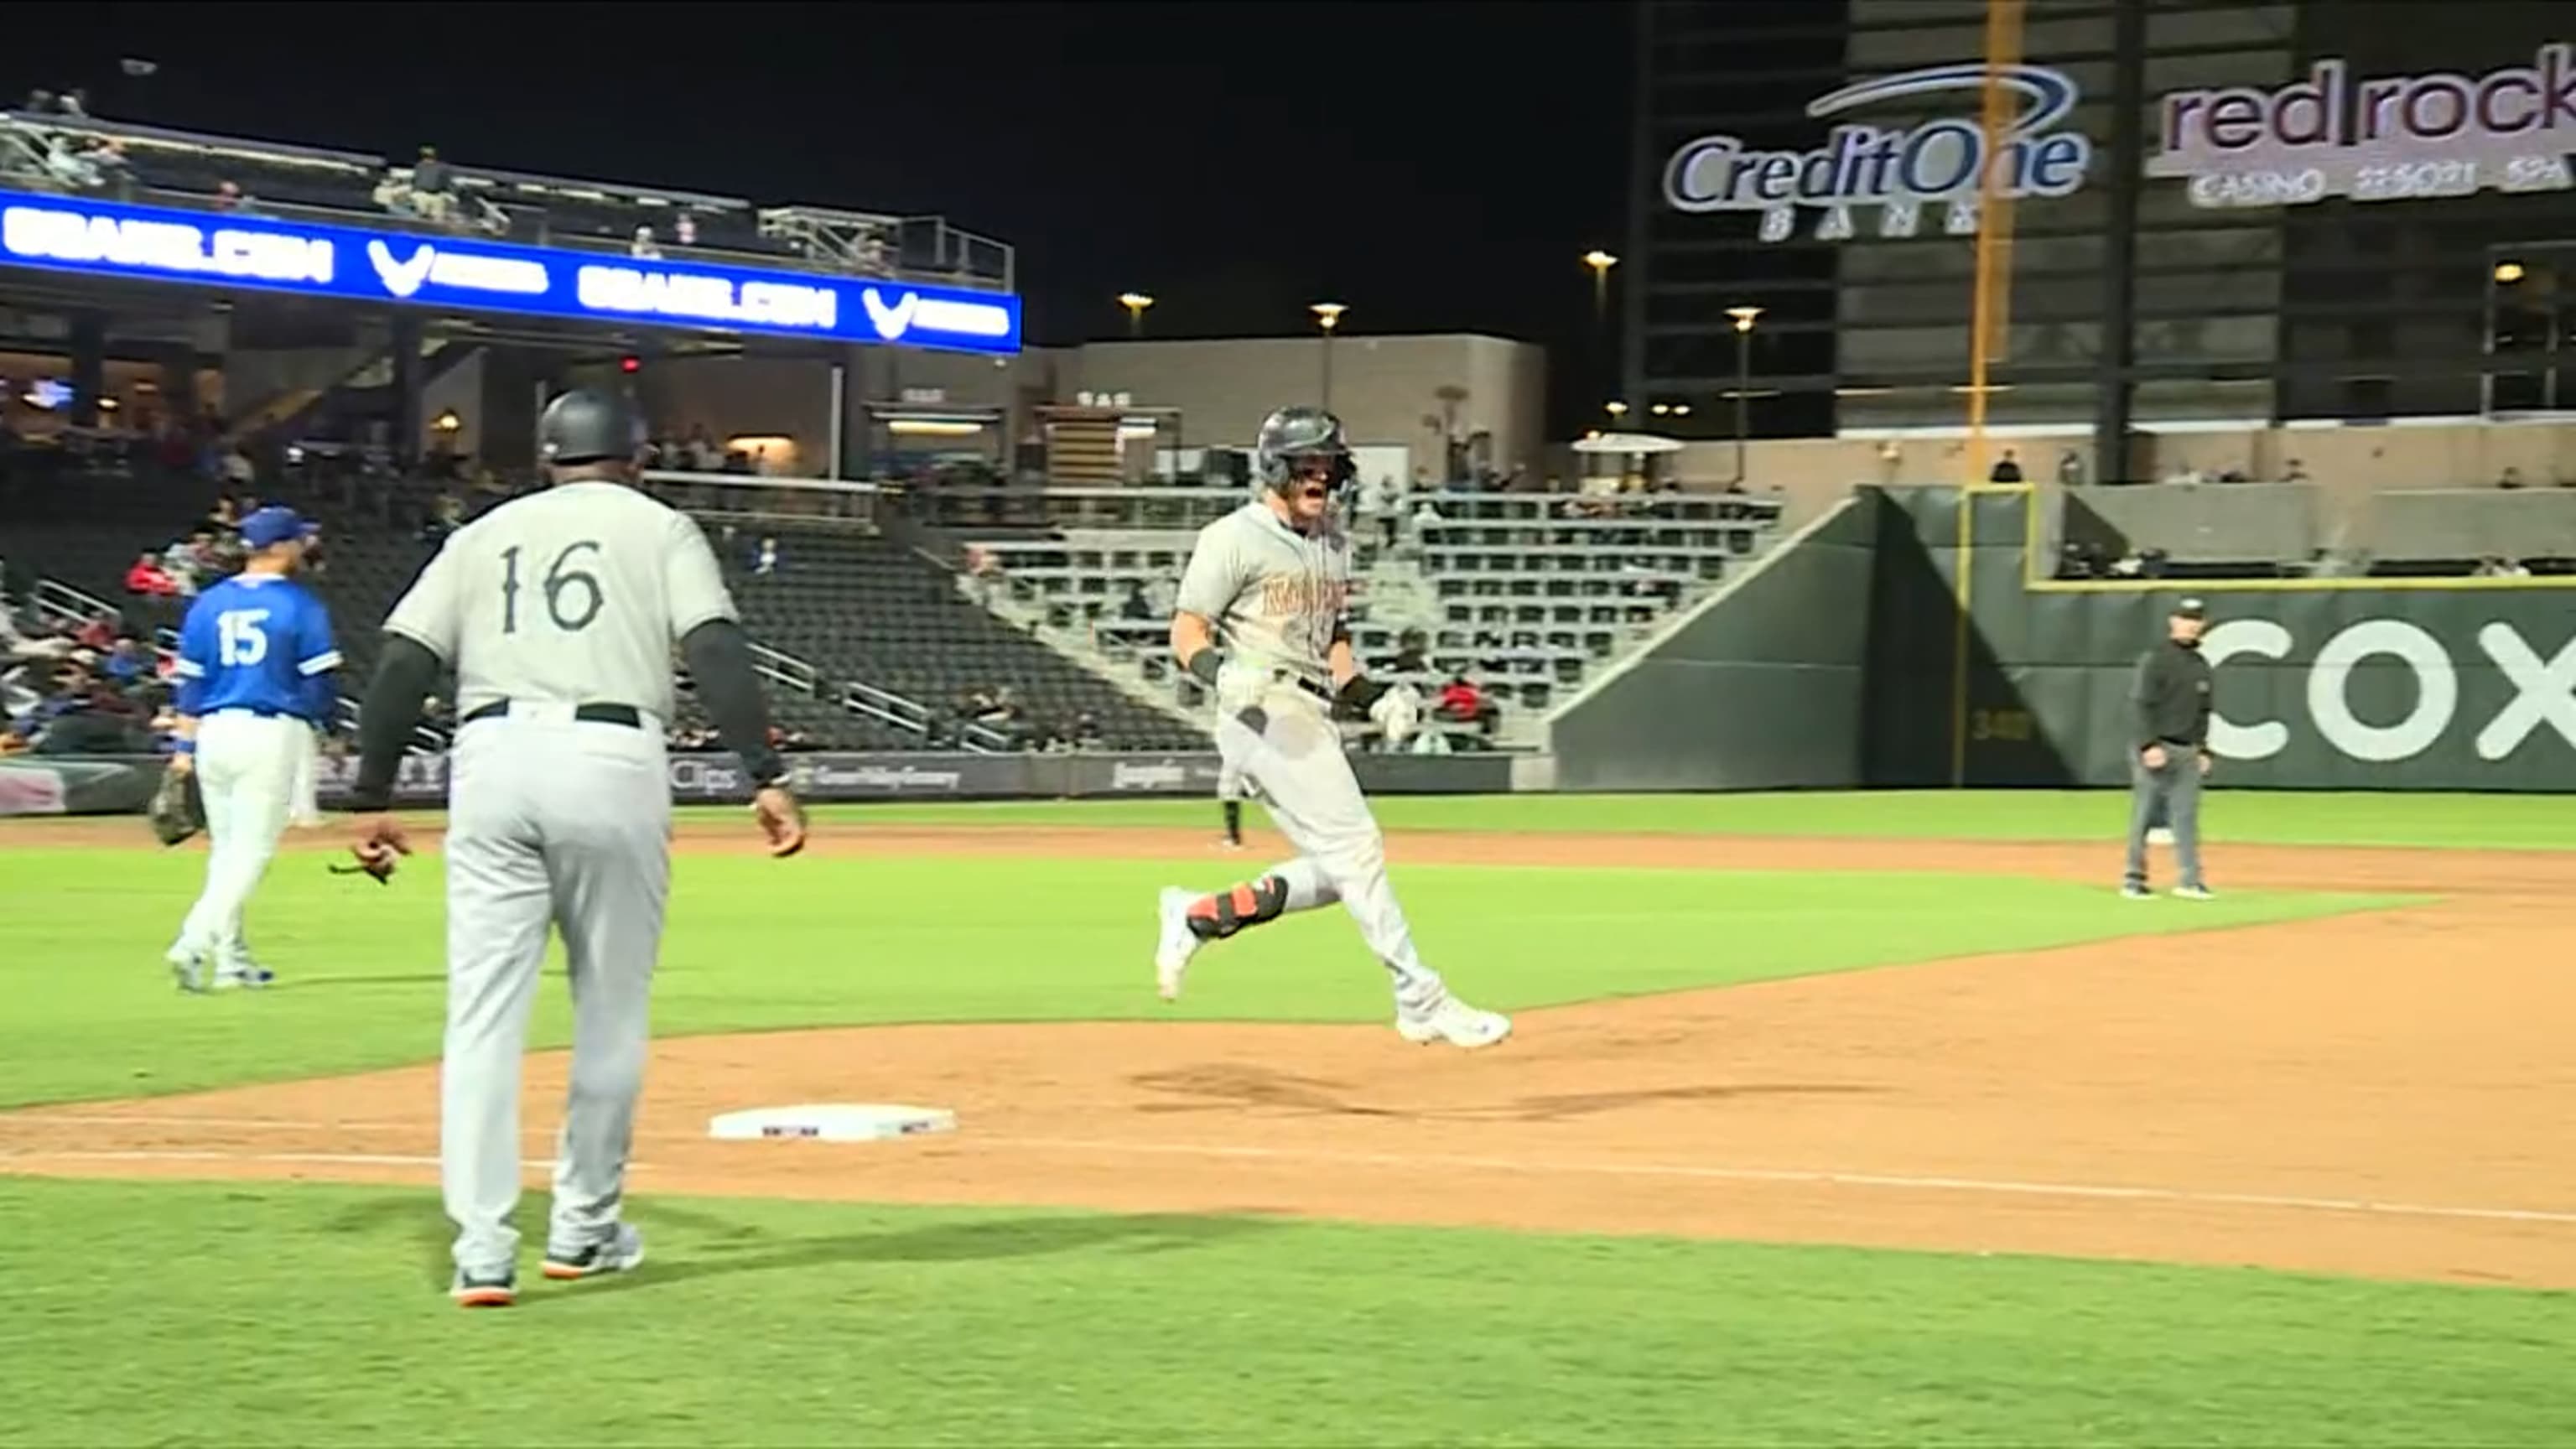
point(1262, 621)
point(558, 613)
point(254, 670)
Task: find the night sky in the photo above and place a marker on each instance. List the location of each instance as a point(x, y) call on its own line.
point(1438, 167)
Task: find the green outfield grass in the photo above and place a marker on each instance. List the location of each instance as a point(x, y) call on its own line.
point(309, 1315)
point(274, 1313)
point(2262, 817)
point(757, 944)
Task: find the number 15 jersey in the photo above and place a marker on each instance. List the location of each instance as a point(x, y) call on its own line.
point(573, 595)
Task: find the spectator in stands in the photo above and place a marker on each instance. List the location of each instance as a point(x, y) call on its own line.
point(2500, 568)
point(1087, 734)
point(2509, 478)
point(230, 197)
point(1386, 505)
point(2297, 472)
point(1136, 605)
point(99, 634)
point(1463, 702)
point(147, 579)
point(704, 455)
point(446, 515)
point(2007, 469)
point(1425, 514)
point(75, 102)
point(128, 666)
point(684, 230)
point(40, 102)
point(2070, 469)
point(764, 556)
point(1412, 655)
point(643, 247)
point(433, 187)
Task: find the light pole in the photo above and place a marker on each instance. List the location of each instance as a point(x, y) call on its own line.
point(1328, 315)
point(1135, 303)
point(1601, 262)
point(1744, 317)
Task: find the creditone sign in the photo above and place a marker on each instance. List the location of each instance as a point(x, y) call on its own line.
point(104, 239)
point(1900, 170)
point(2390, 138)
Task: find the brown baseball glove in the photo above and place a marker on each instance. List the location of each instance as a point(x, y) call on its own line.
point(178, 808)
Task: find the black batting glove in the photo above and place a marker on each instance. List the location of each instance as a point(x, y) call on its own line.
point(1356, 697)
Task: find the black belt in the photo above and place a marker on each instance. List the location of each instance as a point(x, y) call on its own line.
point(612, 714)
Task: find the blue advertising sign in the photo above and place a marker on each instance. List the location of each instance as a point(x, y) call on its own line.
point(107, 239)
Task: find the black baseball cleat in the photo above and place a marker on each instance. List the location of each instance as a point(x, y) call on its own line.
point(621, 1252)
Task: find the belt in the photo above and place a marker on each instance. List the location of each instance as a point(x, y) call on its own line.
point(609, 714)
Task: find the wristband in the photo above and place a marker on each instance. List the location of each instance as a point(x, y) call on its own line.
point(1204, 665)
point(183, 747)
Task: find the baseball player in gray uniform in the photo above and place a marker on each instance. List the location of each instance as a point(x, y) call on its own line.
point(558, 613)
point(1262, 620)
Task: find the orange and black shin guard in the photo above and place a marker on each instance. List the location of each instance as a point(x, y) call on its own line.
point(1213, 918)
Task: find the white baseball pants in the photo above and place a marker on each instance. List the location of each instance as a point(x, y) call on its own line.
point(1306, 781)
point(246, 767)
point(553, 824)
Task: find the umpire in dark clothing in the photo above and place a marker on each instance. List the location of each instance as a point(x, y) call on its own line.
point(2169, 750)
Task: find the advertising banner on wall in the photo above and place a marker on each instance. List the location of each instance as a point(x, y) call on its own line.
point(850, 777)
point(2384, 138)
point(75, 785)
point(356, 264)
point(1903, 170)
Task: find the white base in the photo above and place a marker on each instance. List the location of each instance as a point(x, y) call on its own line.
point(831, 1122)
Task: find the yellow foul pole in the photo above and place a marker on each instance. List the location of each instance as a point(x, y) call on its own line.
point(1990, 317)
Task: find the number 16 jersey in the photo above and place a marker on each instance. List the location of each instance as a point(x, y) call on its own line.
point(573, 595)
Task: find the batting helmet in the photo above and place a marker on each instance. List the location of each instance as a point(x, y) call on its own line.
point(1301, 432)
point(589, 424)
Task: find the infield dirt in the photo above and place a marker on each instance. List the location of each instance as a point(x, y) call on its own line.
point(2383, 1093)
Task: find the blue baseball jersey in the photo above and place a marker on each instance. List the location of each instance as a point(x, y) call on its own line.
point(260, 642)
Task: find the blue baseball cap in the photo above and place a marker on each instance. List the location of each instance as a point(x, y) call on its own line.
point(270, 527)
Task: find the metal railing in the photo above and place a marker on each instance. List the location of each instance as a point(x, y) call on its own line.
point(913, 717)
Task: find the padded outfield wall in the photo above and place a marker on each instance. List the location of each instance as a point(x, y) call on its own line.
point(1997, 677)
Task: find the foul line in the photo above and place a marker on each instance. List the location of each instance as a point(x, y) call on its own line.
point(1808, 1177)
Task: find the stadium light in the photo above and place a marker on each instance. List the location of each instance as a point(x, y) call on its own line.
point(1135, 303)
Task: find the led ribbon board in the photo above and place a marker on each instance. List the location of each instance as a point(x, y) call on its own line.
point(105, 239)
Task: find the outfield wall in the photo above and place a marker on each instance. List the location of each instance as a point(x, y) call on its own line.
point(2346, 684)
point(108, 784)
point(1973, 669)
point(1759, 688)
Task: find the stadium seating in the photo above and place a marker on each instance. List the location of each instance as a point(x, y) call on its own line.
point(863, 608)
point(1522, 593)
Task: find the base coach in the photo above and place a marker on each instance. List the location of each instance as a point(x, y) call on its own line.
point(2169, 750)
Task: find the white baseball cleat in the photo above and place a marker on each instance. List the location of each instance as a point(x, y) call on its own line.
point(241, 975)
point(187, 968)
point(1453, 1021)
point(1177, 942)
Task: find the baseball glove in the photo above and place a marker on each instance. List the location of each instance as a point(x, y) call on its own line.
point(178, 808)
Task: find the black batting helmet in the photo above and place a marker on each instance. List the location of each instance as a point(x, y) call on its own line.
point(1301, 432)
point(589, 424)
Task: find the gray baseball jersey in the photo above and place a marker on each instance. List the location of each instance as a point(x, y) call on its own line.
point(573, 595)
point(1272, 593)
